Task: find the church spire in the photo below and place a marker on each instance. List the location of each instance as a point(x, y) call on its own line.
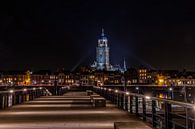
point(124, 66)
point(102, 32)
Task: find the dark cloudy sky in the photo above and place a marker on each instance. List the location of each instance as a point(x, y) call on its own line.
point(47, 34)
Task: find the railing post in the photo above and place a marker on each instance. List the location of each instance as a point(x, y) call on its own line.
point(14, 99)
point(131, 104)
point(154, 113)
point(6, 101)
point(144, 108)
point(121, 99)
point(123, 107)
point(117, 100)
point(1, 101)
point(168, 124)
point(136, 106)
point(17, 98)
point(111, 96)
point(187, 118)
point(126, 102)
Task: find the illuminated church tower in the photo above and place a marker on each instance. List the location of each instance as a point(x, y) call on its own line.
point(102, 53)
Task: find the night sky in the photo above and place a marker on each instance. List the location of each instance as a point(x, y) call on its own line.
point(50, 34)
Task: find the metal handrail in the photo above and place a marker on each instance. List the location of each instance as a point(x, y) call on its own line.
point(184, 104)
point(20, 90)
point(133, 98)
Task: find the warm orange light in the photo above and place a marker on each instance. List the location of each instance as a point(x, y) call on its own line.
point(161, 80)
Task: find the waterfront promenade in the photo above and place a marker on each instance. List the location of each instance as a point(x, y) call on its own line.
point(71, 111)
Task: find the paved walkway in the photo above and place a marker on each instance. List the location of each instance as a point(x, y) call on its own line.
point(71, 111)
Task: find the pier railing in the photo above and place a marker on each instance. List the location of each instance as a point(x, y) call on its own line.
point(160, 113)
point(11, 97)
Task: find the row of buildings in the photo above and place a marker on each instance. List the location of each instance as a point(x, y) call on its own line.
point(87, 76)
point(101, 72)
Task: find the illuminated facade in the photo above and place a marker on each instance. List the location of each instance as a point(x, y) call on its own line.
point(143, 73)
point(102, 53)
point(103, 56)
point(13, 78)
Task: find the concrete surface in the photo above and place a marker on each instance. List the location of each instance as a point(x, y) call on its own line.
point(71, 111)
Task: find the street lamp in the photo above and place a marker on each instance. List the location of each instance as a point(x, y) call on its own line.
point(171, 92)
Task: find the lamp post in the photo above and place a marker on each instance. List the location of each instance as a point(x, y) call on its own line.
point(171, 92)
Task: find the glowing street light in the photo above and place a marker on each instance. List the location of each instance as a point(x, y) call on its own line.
point(170, 89)
point(127, 93)
point(137, 88)
point(11, 91)
point(147, 97)
point(109, 89)
point(40, 88)
point(116, 91)
point(34, 88)
point(25, 90)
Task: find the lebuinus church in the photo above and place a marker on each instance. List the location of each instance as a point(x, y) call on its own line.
point(103, 57)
